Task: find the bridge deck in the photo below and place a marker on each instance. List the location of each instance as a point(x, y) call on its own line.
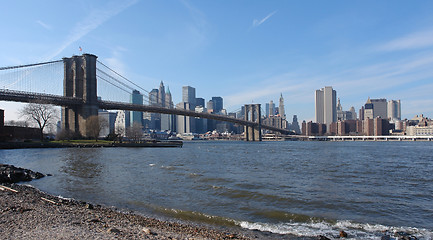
point(29, 97)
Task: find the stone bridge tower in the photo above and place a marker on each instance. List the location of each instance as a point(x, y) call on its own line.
point(79, 81)
point(253, 113)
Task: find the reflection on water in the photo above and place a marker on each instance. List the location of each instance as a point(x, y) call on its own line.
point(81, 169)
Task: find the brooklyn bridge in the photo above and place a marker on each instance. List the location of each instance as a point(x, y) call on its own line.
point(89, 85)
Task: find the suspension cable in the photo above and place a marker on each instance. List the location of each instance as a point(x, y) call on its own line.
point(29, 65)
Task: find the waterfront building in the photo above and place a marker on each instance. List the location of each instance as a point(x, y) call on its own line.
point(326, 106)
point(313, 129)
point(136, 117)
point(394, 110)
point(281, 109)
point(419, 130)
point(122, 122)
point(188, 95)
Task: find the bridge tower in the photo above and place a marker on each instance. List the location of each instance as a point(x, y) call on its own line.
point(79, 81)
point(253, 113)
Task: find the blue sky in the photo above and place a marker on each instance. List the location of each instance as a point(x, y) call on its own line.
point(245, 51)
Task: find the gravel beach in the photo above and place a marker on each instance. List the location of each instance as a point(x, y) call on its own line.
point(27, 213)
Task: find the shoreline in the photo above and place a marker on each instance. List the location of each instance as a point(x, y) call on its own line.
point(23, 145)
point(32, 214)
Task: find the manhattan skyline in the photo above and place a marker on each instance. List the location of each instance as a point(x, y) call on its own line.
point(242, 51)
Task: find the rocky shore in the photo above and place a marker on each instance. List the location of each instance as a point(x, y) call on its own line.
point(27, 213)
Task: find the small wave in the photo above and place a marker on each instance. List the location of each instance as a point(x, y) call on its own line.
point(196, 216)
point(331, 230)
point(152, 164)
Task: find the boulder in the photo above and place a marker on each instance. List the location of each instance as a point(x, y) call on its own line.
point(12, 174)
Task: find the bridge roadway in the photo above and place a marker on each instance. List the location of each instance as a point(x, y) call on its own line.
point(29, 97)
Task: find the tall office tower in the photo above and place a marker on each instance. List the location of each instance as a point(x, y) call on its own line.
point(217, 104)
point(188, 95)
point(200, 102)
point(295, 125)
point(340, 113)
point(136, 117)
point(281, 107)
point(271, 108)
point(168, 120)
point(168, 99)
point(326, 106)
point(122, 122)
point(376, 108)
point(267, 110)
point(352, 110)
point(185, 124)
point(155, 118)
point(361, 113)
point(380, 108)
point(153, 97)
point(161, 95)
point(394, 110)
point(368, 110)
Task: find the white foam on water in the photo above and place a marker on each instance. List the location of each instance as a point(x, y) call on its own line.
point(354, 230)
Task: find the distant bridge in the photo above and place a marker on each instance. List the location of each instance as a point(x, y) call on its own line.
point(79, 100)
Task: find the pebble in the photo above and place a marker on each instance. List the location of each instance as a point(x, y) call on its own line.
point(147, 231)
point(113, 230)
point(343, 234)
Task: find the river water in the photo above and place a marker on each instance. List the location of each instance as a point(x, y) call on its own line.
point(300, 188)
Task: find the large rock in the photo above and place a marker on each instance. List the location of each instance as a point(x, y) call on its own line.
point(12, 174)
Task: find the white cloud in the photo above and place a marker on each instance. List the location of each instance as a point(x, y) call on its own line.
point(44, 25)
point(95, 19)
point(257, 23)
point(416, 40)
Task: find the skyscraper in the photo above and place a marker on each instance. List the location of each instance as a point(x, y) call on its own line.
point(326, 106)
point(271, 108)
point(394, 110)
point(199, 102)
point(217, 104)
point(376, 108)
point(188, 96)
point(161, 95)
point(155, 118)
point(136, 117)
point(281, 107)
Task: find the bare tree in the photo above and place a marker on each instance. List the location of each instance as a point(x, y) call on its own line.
point(42, 114)
point(94, 125)
point(135, 132)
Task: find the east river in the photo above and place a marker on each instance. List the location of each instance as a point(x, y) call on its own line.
point(300, 188)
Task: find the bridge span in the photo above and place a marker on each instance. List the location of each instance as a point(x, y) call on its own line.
point(80, 101)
